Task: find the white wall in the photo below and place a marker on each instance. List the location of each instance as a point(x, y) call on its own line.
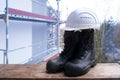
point(39, 30)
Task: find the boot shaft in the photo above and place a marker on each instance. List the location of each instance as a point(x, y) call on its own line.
point(71, 39)
point(85, 43)
point(87, 39)
point(88, 44)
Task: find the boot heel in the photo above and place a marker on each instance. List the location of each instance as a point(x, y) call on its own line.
point(94, 64)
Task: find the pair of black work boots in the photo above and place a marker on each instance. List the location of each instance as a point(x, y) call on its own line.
point(77, 56)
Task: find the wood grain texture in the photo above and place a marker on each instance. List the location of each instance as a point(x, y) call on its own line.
point(103, 71)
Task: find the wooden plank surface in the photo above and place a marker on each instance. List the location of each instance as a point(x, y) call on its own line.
point(103, 71)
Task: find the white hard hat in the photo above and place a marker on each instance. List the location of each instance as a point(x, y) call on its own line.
point(81, 19)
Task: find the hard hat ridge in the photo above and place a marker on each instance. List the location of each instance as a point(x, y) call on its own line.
point(81, 19)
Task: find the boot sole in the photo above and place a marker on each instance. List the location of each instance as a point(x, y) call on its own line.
point(94, 64)
point(55, 71)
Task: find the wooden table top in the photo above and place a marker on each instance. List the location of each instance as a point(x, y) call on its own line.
point(102, 71)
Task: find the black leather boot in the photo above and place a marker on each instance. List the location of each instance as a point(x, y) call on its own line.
point(57, 65)
point(85, 58)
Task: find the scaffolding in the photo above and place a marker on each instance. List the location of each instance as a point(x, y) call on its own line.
point(15, 14)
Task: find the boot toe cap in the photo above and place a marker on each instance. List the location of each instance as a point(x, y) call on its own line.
point(54, 66)
point(73, 70)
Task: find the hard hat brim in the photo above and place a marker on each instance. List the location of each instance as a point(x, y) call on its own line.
point(80, 28)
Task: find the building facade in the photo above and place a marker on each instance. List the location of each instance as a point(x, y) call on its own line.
point(29, 42)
